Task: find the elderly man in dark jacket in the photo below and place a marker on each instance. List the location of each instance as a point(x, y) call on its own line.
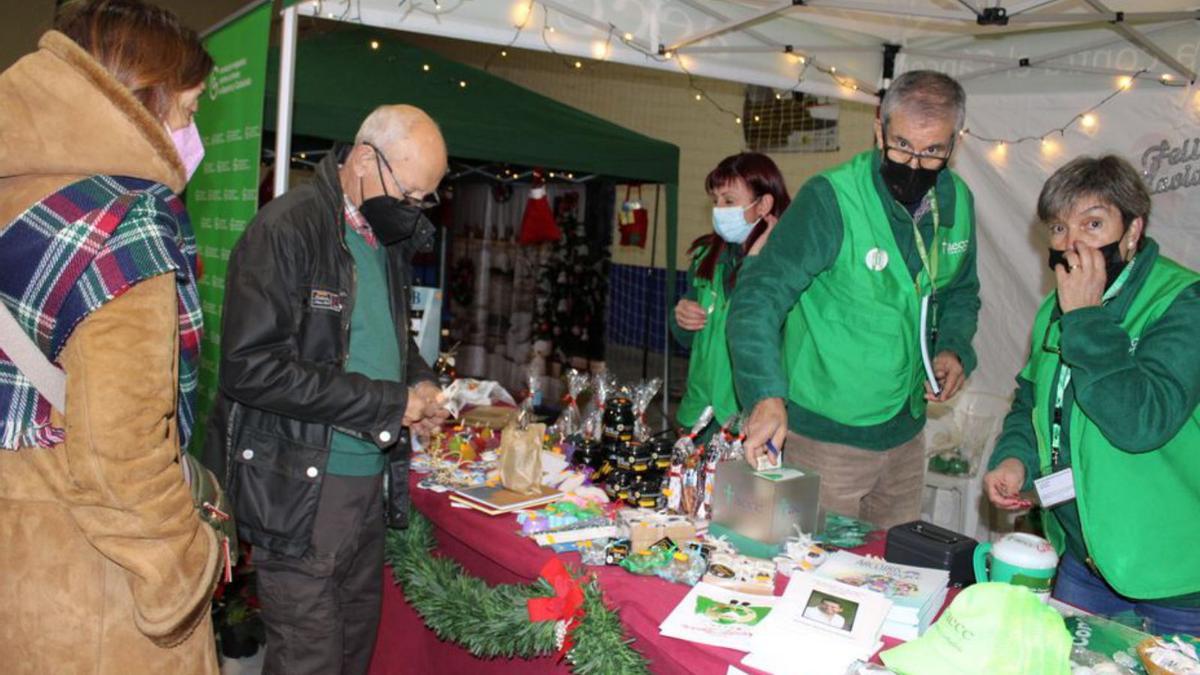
point(319, 382)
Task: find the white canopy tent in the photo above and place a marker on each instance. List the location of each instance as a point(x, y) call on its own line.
point(1046, 79)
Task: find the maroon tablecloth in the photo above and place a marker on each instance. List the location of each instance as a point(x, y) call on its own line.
point(489, 547)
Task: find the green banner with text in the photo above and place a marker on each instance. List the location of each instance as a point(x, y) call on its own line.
point(223, 195)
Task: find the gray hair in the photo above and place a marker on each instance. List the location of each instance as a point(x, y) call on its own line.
point(927, 93)
point(1110, 179)
point(383, 128)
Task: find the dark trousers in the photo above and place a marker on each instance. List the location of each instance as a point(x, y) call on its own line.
point(322, 610)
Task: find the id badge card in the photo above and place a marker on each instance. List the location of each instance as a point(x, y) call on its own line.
point(1057, 488)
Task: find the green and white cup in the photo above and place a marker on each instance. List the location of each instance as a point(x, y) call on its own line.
point(1020, 559)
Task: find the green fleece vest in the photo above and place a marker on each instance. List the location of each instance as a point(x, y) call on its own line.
point(710, 371)
point(1138, 511)
point(851, 343)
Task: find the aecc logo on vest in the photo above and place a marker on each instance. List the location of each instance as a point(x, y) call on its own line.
point(955, 247)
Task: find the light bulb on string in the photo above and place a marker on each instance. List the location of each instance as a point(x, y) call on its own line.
point(738, 120)
point(462, 84)
point(1166, 77)
point(778, 96)
point(1125, 83)
point(503, 52)
point(668, 55)
point(628, 37)
point(521, 12)
point(579, 64)
point(699, 97)
point(1088, 121)
point(375, 44)
point(425, 67)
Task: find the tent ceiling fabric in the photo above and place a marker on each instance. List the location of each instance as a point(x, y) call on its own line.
point(846, 34)
point(340, 78)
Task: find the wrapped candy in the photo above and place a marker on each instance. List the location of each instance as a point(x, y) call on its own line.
point(643, 394)
point(603, 385)
point(569, 421)
point(683, 479)
point(530, 402)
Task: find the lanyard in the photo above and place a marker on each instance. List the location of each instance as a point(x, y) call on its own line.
point(1064, 376)
point(929, 260)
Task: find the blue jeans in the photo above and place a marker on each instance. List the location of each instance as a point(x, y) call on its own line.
point(1077, 585)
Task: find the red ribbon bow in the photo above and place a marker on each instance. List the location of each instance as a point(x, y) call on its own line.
point(565, 605)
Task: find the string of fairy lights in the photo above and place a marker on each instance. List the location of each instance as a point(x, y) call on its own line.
point(523, 12)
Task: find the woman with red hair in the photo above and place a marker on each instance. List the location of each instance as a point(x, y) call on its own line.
point(749, 195)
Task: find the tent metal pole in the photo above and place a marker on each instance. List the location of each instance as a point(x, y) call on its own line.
point(700, 7)
point(971, 8)
point(1031, 63)
point(871, 7)
point(1098, 44)
point(1116, 18)
point(771, 49)
point(732, 24)
point(1022, 7)
point(1138, 39)
point(287, 87)
point(649, 278)
point(595, 23)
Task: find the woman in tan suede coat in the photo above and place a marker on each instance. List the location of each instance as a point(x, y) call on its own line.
point(104, 565)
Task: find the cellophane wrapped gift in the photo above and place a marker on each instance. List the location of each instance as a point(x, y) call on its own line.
point(603, 386)
point(643, 394)
point(569, 420)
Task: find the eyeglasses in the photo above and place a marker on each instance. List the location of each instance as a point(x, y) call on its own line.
point(425, 202)
point(925, 160)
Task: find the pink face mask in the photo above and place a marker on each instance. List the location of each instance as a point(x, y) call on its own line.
point(189, 146)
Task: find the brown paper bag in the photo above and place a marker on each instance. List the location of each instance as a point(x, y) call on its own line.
point(521, 458)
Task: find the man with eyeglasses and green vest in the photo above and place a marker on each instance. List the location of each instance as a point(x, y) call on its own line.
point(825, 327)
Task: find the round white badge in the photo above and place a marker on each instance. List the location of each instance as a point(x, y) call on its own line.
point(877, 259)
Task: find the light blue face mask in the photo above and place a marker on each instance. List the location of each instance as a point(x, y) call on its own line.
point(730, 222)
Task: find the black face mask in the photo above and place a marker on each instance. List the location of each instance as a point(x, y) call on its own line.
point(1113, 263)
point(392, 220)
point(907, 185)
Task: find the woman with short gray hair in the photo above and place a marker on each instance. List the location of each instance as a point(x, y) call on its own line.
point(1106, 407)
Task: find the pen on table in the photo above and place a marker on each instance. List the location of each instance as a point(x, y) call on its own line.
point(772, 449)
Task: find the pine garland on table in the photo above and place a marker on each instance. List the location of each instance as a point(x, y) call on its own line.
point(493, 622)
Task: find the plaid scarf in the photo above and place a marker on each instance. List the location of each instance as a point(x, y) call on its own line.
point(68, 255)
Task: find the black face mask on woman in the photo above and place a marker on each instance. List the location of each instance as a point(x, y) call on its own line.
point(1113, 263)
point(392, 219)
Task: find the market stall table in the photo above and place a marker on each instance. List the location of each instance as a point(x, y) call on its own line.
point(489, 547)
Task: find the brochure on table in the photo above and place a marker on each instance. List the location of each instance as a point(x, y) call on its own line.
point(818, 626)
point(716, 616)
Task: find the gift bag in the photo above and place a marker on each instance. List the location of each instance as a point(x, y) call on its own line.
point(633, 220)
point(521, 458)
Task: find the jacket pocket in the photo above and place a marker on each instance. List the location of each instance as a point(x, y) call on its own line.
point(276, 489)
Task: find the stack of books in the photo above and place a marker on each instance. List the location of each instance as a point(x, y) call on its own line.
point(495, 500)
point(917, 593)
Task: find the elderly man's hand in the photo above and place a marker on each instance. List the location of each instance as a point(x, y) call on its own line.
point(425, 408)
point(768, 422)
point(948, 370)
point(1081, 284)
